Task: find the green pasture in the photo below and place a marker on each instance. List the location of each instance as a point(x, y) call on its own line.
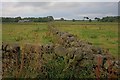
point(102, 34)
point(25, 32)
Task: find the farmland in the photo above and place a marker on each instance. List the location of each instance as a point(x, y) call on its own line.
point(46, 48)
point(25, 32)
point(101, 34)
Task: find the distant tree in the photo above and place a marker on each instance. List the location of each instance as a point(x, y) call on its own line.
point(17, 19)
point(98, 19)
point(110, 19)
point(62, 19)
point(73, 20)
point(8, 19)
point(45, 19)
point(50, 18)
point(90, 20)
point(86, 18)
point(95, 18)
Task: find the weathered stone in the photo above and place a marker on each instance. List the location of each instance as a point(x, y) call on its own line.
point(60, 50)
point(76, 53)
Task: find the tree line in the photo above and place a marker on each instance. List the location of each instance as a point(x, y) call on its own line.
point(104, 19)
point(31, 19)
point(50, 18)
point(110, 19)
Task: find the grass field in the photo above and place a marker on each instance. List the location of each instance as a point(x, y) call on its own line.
point(101, 34)
point(104, 35)
point(25, 32)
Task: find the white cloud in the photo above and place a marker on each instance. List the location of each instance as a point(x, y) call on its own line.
point(68, 10)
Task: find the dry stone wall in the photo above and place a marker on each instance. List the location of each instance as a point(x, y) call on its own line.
point(76, 54)
point(81, 53)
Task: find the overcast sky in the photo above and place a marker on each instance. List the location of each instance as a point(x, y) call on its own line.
point(67, 10)
point(60, 0)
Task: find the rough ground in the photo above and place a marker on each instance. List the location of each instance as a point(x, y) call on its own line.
point(78, 56)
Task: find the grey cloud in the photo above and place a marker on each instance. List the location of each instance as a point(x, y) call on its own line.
point(68, 10)
point(33, 4)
